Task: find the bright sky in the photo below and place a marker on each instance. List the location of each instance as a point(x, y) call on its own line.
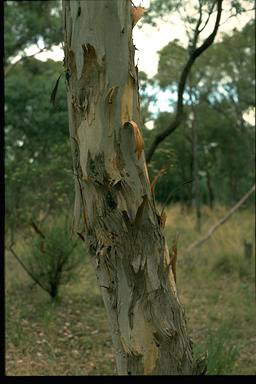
point(149, 40)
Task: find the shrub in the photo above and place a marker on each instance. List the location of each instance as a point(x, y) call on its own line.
point(53, 256)
point(230, 263)
point(227, 263)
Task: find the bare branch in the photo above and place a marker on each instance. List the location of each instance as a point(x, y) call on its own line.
point(236, 14)
point(37, 230)
point(220, 222)
point(11, 66)
point(209, 15)
point(27, 270)
point(197, 31)
point(182, 83)
point(133, 4)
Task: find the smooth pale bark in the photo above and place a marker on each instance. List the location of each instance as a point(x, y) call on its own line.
point(114, 208)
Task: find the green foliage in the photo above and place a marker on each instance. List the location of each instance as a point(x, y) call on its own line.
point(244, 271)
point(52, 257)
point(221, 355)
point(26, 22)
point(160, 9)
point(37, 149)
point(147, 96)
point(49, 338)
point(171, 62)
point(233, 264)
point(172, 154)
point(229, 70)
point(226, 264)
point(38, 164)
point(221, 90)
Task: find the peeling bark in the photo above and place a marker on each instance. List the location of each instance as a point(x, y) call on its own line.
point(114, 207)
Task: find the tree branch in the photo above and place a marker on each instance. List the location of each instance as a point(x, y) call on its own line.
point(182, 83)
point(27, 270)
point(209, 15)
point(11, 66)
point(220, 222)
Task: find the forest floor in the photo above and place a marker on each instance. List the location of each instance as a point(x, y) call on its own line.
point(215, 283)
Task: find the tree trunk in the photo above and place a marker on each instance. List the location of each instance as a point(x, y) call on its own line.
point(196, 189)
point(119, 219)
point(209, 187)
point(196, 182)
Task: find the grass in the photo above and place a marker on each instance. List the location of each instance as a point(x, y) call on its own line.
point(71, 337)
point(67, 337)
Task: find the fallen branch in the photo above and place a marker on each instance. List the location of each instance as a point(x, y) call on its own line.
point(220, 222)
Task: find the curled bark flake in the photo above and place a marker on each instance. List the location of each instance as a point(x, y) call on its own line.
point(111, 94)
point(55, 89)
point(139, 142)
point(137, 13)
point(173, 256)
point(162, 219)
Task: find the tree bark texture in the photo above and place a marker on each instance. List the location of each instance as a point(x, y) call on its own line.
point(114, 207)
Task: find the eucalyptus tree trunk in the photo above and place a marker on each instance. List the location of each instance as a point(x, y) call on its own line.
point(114, 207)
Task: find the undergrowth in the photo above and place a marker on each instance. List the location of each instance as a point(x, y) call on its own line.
point(215, 284)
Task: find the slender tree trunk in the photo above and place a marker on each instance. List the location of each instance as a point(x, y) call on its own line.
point(209, 187)
point(122, 226)
point(190, 192)
point(196, 183)
point(196, 194)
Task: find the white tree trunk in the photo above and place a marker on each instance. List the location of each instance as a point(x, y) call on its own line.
point(124, 231)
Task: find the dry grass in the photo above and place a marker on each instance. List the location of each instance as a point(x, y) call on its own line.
point(71, 337)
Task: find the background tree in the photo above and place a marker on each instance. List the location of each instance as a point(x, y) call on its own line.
point(225, 138)
point(31, 137)
point(37, 171)
point(27, 23)
point(195, 49)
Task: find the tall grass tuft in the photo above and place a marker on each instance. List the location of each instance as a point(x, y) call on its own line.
point(221, 354)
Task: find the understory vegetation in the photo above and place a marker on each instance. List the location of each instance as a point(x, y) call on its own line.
point(70, 336)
